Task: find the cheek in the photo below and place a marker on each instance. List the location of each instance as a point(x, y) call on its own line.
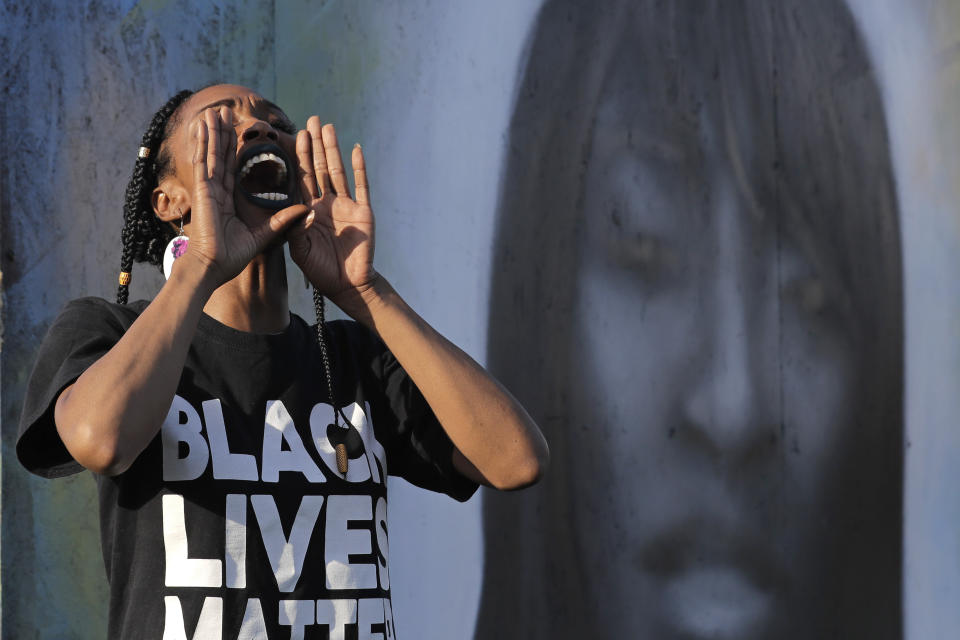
point(634, 331)
point(819, 379)
point(288, 143)
point(629, 356)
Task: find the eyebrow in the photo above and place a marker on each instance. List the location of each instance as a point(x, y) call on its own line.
point(232, 103)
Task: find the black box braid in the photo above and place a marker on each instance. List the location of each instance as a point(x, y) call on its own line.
point(144, 236)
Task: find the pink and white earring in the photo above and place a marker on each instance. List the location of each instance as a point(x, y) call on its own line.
point(175, 248)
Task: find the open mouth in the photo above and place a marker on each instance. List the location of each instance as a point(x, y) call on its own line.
point(265, 177)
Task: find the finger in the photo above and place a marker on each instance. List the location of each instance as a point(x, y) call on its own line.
point(224, 126)
point(230, 155)
point(285, 217)
point(334, 164)
point(319, 157)
point(308, 179)
point(200, 152)
point(214, 154)
point(360, 175)
point(276, 224)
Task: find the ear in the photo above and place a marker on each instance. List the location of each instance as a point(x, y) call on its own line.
point(170, 200)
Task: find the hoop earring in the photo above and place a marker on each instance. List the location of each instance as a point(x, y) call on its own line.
point(175, 248)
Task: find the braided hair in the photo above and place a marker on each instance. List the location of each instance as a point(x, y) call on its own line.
point(144, 236)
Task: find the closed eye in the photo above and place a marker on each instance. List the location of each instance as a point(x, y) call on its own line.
point(820, 301)
point(810, 294)
point(283, 124)
point(643, 254)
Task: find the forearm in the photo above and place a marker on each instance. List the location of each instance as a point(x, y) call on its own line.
point(485, 422)
point(115, 408)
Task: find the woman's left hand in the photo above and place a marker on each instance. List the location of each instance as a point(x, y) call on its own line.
point(495, 441)
point(334, 244)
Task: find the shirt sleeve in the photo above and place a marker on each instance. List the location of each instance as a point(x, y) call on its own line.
point(418, 448)
point(85, 330)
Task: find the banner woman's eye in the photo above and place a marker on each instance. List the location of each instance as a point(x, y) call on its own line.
point(643, 255)
point(642, 250)
point(810, 294)
point(816, 303)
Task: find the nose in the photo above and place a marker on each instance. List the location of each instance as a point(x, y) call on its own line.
point(733, 401)
point(727, 402)
point(258, 129)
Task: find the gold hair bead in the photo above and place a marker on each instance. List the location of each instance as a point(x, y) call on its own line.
point(124, 278)
point(143, 152)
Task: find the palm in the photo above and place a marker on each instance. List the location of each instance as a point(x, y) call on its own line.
point(335, 245)
point(217, 236)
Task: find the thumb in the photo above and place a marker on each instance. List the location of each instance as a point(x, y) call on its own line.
point(276, 224)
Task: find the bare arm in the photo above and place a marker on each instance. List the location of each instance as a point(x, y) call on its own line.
point(110, 414)
point(116, 407)
point(497, 443)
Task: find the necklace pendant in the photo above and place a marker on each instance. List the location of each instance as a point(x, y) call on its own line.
point(343, 463)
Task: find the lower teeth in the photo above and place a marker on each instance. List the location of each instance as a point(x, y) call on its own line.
point(270, 196)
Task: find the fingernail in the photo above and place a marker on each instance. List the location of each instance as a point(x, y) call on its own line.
point(356, 145)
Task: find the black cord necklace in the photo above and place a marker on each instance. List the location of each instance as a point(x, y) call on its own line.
point(343, 460)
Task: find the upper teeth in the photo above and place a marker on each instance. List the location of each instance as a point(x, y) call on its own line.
point(271, 196)
point(255, 160)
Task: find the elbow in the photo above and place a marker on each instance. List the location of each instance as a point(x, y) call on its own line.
point(107, 463)
point(89, 443)
point(528, 470)
point(90, 448)
point(537, 465)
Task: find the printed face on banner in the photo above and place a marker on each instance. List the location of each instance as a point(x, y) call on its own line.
point(716, 382)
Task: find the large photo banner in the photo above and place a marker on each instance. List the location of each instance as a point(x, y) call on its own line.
point(702, 263)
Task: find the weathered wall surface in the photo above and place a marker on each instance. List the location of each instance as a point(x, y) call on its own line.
point(711, 367)
point(417, 84)
point(81, 80)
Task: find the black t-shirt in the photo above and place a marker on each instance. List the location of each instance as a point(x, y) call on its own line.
point(234, 522)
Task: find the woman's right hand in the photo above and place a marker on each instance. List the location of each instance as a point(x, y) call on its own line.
point(220, 242)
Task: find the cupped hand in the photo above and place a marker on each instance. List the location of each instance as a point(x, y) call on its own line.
point(334, 244)
point(219, 240)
